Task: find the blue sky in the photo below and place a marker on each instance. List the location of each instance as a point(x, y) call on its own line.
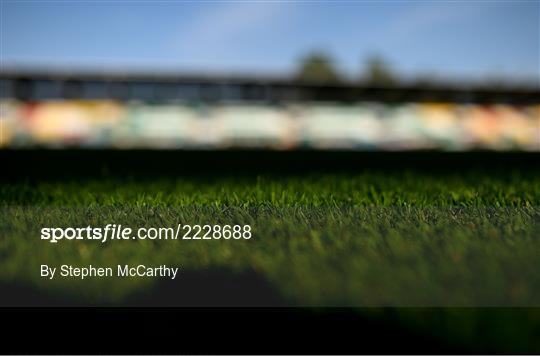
point(455, 39)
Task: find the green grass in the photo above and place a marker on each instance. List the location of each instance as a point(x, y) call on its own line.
point(512, 188)
point(409, 239)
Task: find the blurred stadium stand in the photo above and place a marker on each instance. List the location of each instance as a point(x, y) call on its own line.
point(85, 110)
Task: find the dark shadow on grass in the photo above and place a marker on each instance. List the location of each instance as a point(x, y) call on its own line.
point(209, 288)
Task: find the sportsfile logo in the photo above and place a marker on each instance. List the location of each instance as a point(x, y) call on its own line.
point(120, 232)
point(103, 234)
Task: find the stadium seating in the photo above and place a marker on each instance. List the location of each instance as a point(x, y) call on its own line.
point(359, 126)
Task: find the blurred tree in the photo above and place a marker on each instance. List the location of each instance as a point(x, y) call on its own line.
point(318, 68)
point(378, 72)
